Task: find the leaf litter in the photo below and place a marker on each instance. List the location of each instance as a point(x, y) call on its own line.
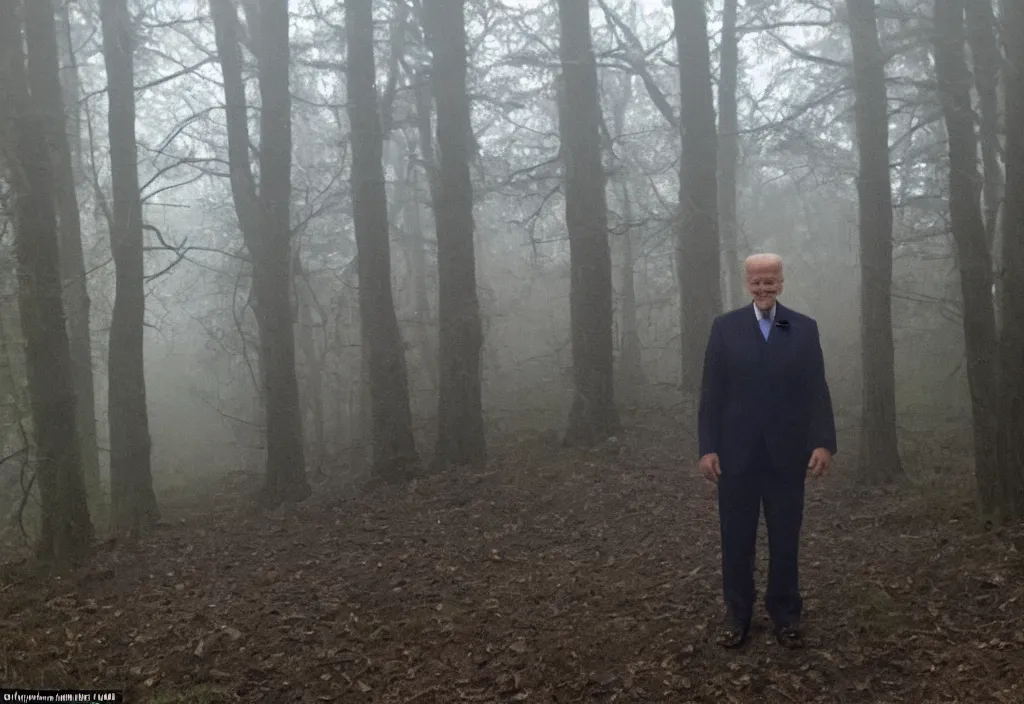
point(547, 576)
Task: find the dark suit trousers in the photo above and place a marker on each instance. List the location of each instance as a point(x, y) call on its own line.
point(741, 491)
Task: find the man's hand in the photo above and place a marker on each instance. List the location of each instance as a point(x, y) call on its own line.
point(819, 463)
point(709, 467)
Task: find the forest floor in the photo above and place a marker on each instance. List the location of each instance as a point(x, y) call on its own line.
point(549, 575)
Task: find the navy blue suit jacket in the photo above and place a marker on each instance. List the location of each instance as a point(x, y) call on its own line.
point(774, 389)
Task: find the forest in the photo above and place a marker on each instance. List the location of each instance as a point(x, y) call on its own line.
point(351, 350)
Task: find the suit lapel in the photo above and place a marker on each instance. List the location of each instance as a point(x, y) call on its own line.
point(779, 336)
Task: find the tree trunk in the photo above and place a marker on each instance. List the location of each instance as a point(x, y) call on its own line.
point(972, 246)
point(728, 158)
point(593, 416)
point(133, 503)
point(631, 373)
point(41, 34)
point(981, 38)
point(412, 231)
point(879, 455)
point(264, 218)
point(313, 386)
point(421, 81)
point(72, 88)
point(66, 531)
point(286, 466)
point(394, 449)
point(425, 145)
point(1011, 379)
point(460, 437)
point(986, 59)
point(698, 254)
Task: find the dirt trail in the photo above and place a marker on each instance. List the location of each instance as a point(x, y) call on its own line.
point(548, 576)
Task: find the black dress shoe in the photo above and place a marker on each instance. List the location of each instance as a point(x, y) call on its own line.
point(732, 634)
point(789, 636)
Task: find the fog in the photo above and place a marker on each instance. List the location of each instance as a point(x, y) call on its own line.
point(202, 398)
point(795, 189)
point(355, 350)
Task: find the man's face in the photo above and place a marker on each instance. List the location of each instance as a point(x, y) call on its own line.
point(764, 282)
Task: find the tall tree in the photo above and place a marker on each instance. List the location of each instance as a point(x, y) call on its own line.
point(698, 252)
point(41, 40)
point(593, 416)
point(415, 244)
point(1011, 380)
point(631, 374)
point(985, 57)
point(972, 246)
point(728, 155)
point(71, 85)
point(420, 159)
point(394, 448)
point(133, 503)
point(460, 424)
point(879, 455)
point(264, 216)
point(311, 376)
point(66, 531)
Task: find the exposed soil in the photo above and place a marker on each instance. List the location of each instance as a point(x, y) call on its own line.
point(548, 576)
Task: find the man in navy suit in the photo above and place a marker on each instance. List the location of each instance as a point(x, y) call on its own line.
point(765, 421)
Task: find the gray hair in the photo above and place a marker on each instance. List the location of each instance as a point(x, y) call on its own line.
point(762, 258)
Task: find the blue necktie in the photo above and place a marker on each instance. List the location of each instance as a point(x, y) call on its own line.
point(766, 326)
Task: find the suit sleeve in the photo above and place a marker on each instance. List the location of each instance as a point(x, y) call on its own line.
point(712, 393)
point(823, 424)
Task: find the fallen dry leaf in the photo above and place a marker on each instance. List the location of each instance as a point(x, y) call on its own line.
point(607, 589)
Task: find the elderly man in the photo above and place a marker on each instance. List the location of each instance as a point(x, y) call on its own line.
point(765, 420)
